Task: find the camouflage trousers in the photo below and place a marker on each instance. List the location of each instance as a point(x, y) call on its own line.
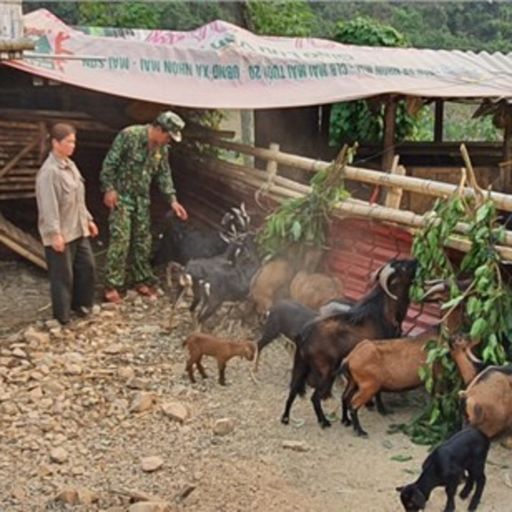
point(130, 243)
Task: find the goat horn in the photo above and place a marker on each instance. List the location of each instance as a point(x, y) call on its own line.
point(225, 238)
point(384, 276)
point(432, 282)
point(440, 287)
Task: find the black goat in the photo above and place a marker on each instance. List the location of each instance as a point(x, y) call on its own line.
point(466, 451)
point(325, 341)
point(179, 242)
point(229, 282)
point(287, 317)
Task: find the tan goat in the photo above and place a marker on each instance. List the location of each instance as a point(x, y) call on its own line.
point(202, 344)
point(315, 289)
point(270, 283)
point(488, 400)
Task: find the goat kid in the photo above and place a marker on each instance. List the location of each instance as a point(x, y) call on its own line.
point(202, 344)
point(466, 451)
point(325, 341)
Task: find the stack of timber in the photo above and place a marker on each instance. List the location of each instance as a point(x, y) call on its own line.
point(21, 152)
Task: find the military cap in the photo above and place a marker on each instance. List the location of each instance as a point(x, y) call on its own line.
point(171, 123)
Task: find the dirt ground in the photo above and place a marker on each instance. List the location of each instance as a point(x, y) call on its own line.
point(81, 408)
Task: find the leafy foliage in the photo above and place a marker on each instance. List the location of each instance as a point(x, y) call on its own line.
point(305, 220)
point(488, 305)
point(292, 18)
point(363, 120)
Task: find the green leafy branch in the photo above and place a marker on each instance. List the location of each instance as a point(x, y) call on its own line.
point(305, 220)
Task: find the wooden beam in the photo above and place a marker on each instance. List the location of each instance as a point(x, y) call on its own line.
point(506, 165)
point(438, 120)
point(388, 147)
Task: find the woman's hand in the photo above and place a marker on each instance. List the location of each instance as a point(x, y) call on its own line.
point(93, 229)
point(58, 244)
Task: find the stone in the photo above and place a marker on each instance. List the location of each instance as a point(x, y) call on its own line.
point(35, 337)
point(150, 464)
point(507, 442)
point(297, 446)
point(224, 426)
point(142, 402)
point(126, 373)
point(151, 506)
point(113, 349)
point(18, 493)
point(68, 496)
point(176, 411)
point(20, 353)
point(59, 455)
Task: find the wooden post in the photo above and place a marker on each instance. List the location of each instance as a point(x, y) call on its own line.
point(272, 167)
point(388, 149)
point(394, 194)
point(438, 120)
point(506, 165)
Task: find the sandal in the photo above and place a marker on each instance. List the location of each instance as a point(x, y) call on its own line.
point(146, 291)
point(112, 295)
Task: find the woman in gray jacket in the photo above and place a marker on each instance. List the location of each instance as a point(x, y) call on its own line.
point(65, 226)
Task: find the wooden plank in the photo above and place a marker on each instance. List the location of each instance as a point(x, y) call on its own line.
point(27, 149)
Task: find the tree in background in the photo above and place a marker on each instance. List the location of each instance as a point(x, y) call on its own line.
point(292, 18)
point(363, 120)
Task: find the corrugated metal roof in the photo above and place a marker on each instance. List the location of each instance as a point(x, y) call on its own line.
point(358, 248)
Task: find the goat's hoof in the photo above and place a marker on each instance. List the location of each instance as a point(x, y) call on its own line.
point(285, 420)
point(346, 422)
point(361, 433)
point(325, 423)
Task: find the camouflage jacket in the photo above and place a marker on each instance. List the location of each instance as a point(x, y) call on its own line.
point(129, 166)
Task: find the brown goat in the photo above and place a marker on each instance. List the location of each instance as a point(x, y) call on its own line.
point(488, 400)
point(270, 283)
point(325, 341)
point(315, 290)
point(393, 365)
point(201, 344)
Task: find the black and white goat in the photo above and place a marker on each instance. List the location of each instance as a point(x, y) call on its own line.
point(179, 242)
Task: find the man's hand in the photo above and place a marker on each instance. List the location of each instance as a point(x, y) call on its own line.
point(180, 212)
point(58, 243)
point(93, 229)
point(110, 199)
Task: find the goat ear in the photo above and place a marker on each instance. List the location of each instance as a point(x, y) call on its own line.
point(399, 489)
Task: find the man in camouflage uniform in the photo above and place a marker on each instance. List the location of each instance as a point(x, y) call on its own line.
point(138, 155)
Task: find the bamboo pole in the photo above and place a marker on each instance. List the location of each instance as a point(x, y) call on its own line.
point(359, 208)
point(409, 183)
point(23, 252)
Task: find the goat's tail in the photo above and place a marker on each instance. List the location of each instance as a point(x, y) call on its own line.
point(344, 370)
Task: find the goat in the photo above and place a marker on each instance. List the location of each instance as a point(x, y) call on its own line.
point(487, 401)
point(314, 289)
point(286, 317)
point(325, 341)
point(180, 243)
point(394, 365)
point(271, 281)
point(201, 344)
point(229, 282)
point(465, 451)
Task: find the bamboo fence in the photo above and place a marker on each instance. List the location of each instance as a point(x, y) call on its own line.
point(255, 185)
